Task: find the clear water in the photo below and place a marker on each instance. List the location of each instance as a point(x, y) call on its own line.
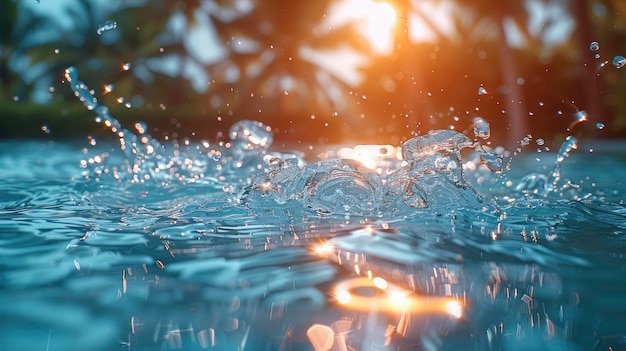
point(441, 243)
point(100, 251)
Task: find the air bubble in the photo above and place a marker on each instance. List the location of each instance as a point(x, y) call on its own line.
point(600, 125)
point(594, 46)
point(619, 61)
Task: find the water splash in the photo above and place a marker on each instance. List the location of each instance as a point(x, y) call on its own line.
point(481, 128)
point(542, 185)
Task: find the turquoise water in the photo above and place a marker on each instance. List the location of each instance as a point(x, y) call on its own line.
point(185, 248)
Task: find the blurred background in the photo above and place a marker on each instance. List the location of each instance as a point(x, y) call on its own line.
point(324, 71)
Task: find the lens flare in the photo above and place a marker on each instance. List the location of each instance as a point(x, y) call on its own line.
point(393, 299)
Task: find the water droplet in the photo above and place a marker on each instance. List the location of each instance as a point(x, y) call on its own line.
point(56, 51)
point(482, 91)
point(126, 66)
point(107, 88)
point(619, 61)
point(481, 128)
point(216, 155)
point(540, 142)
point(128, 104)
point(581, 115)
point(46, 129)
point(600, 125)
point(540, 103)
point(106, 26)
point(594, 46)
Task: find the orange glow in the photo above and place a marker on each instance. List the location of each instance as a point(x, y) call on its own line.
point(321, 337)
point(370, 156)
point(391, 298)
point(380, 283)
point(324, 249)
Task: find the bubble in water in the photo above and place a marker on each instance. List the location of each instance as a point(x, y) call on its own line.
point(250, 137)
point(481, 128)
point(619, 61)
point(600, 125)
point(594, 46)
point(540, 142)
point(106, 26)
point(482, 91)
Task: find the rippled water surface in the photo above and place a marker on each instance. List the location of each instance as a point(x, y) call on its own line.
point(96, 257)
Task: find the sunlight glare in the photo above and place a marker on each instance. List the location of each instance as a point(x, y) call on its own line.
point(381, 17)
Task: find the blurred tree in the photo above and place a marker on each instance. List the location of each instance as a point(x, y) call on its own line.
point(499, 15)
point(19, 29)
point(271, 65)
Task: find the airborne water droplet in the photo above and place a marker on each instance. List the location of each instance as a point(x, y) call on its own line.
point(600, 125)
point(619, 61)
point(594, 46)
point(482, 91)
point(481, 128)
point(106, 26)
